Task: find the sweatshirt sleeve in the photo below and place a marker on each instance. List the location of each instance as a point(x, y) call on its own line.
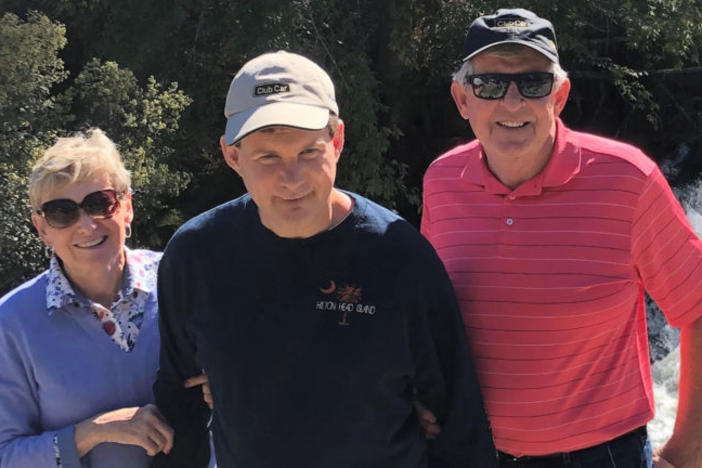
point(184, 409)
point(22, 441)
point(446, 381)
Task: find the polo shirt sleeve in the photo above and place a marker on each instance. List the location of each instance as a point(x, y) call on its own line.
point(184, 409)
point(21, 441)
point(667, 253)
point(425, 224)
point(446, 381)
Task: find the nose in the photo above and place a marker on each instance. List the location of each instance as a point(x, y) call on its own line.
point(293, 174)
point(85, 221)
point(512, 99)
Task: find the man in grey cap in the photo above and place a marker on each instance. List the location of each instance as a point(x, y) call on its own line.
point(318, 316)
point(550, 237)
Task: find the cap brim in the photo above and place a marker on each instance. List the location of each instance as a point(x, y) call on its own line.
point(284, 114)
point(551, 57)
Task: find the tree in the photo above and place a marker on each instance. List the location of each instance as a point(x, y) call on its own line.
point(142, 120)
point(29, 117)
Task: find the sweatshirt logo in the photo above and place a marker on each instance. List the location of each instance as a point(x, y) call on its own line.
point(348, 299)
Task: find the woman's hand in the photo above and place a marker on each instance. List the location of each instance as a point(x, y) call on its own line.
point(143, 426)
point(204, 381)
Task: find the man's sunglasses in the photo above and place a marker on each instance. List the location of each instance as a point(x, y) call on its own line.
point(63, 212)
point(494, 85)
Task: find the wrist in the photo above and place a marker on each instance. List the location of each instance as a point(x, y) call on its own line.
point(88, 434)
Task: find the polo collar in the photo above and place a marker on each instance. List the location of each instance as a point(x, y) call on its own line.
point(563, 165)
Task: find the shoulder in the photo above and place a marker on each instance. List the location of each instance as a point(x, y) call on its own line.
point(615, 151)
point(392, 232)
point(453, 159)
point(211, 226)
point(23, 302)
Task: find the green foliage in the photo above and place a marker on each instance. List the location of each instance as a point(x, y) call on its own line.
point(29, 115)
point(632, 64)
point(142, 120)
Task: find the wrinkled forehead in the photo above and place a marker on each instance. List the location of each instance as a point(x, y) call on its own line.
point(512, 59)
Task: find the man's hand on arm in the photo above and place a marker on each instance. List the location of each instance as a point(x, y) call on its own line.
point(206, 392)
point(684, 449)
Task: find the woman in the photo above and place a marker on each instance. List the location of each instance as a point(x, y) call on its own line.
point(79, 343)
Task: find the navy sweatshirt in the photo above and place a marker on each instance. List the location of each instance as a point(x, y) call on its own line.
point(314, 347)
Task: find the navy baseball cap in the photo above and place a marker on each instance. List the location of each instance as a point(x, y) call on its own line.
point(511, 26)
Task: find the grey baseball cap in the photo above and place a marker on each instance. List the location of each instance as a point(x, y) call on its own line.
point(278, 88)
point(517, 26)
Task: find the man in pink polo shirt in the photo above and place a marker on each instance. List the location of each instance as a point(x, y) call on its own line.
point(550, 237)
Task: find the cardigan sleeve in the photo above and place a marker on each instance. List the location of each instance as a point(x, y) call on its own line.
point(22, 442)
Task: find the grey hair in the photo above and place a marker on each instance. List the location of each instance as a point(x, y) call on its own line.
point(508, 50)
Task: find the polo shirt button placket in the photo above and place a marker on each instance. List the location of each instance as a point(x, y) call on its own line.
point(509, 221)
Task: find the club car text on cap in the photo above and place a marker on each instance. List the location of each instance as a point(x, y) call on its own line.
point(511, 26)
point(278, 88)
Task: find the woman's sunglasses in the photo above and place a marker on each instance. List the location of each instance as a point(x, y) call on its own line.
point(63, 212)
point(533, 85)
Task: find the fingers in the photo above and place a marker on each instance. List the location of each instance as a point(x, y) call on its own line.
point(164, 432)
point(424, 413)
point(207, 395)
point(206, 392)
point(195, 381)
point(427, 420)
point(149, 430)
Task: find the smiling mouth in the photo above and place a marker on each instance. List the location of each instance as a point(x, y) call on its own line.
point(512, 124)
point(292, 198)
point(92, 243)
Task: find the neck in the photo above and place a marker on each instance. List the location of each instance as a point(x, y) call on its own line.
point(98, 284)
point(342, 205)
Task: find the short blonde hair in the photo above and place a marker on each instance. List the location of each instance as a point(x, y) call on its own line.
point(76, 159)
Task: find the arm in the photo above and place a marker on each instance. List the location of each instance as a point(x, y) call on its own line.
point(446, 382)
point(684, 449)
point(668, 257)
point(23, 442)
point(143, 426)
point(183, 408)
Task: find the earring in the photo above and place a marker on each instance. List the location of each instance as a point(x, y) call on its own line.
point(127, 231)
point(48, 251)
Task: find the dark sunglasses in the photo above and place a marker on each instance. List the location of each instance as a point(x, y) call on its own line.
point(63, 212)
point(532, 85)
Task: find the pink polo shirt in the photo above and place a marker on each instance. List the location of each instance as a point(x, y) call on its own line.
point(550, 279)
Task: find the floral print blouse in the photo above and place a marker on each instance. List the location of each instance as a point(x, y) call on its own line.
point(122, 321)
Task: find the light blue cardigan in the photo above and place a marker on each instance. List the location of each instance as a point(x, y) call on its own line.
point(57, 368)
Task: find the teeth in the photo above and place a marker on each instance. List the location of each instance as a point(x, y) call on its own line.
point(512, 124)
point(91, 243)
